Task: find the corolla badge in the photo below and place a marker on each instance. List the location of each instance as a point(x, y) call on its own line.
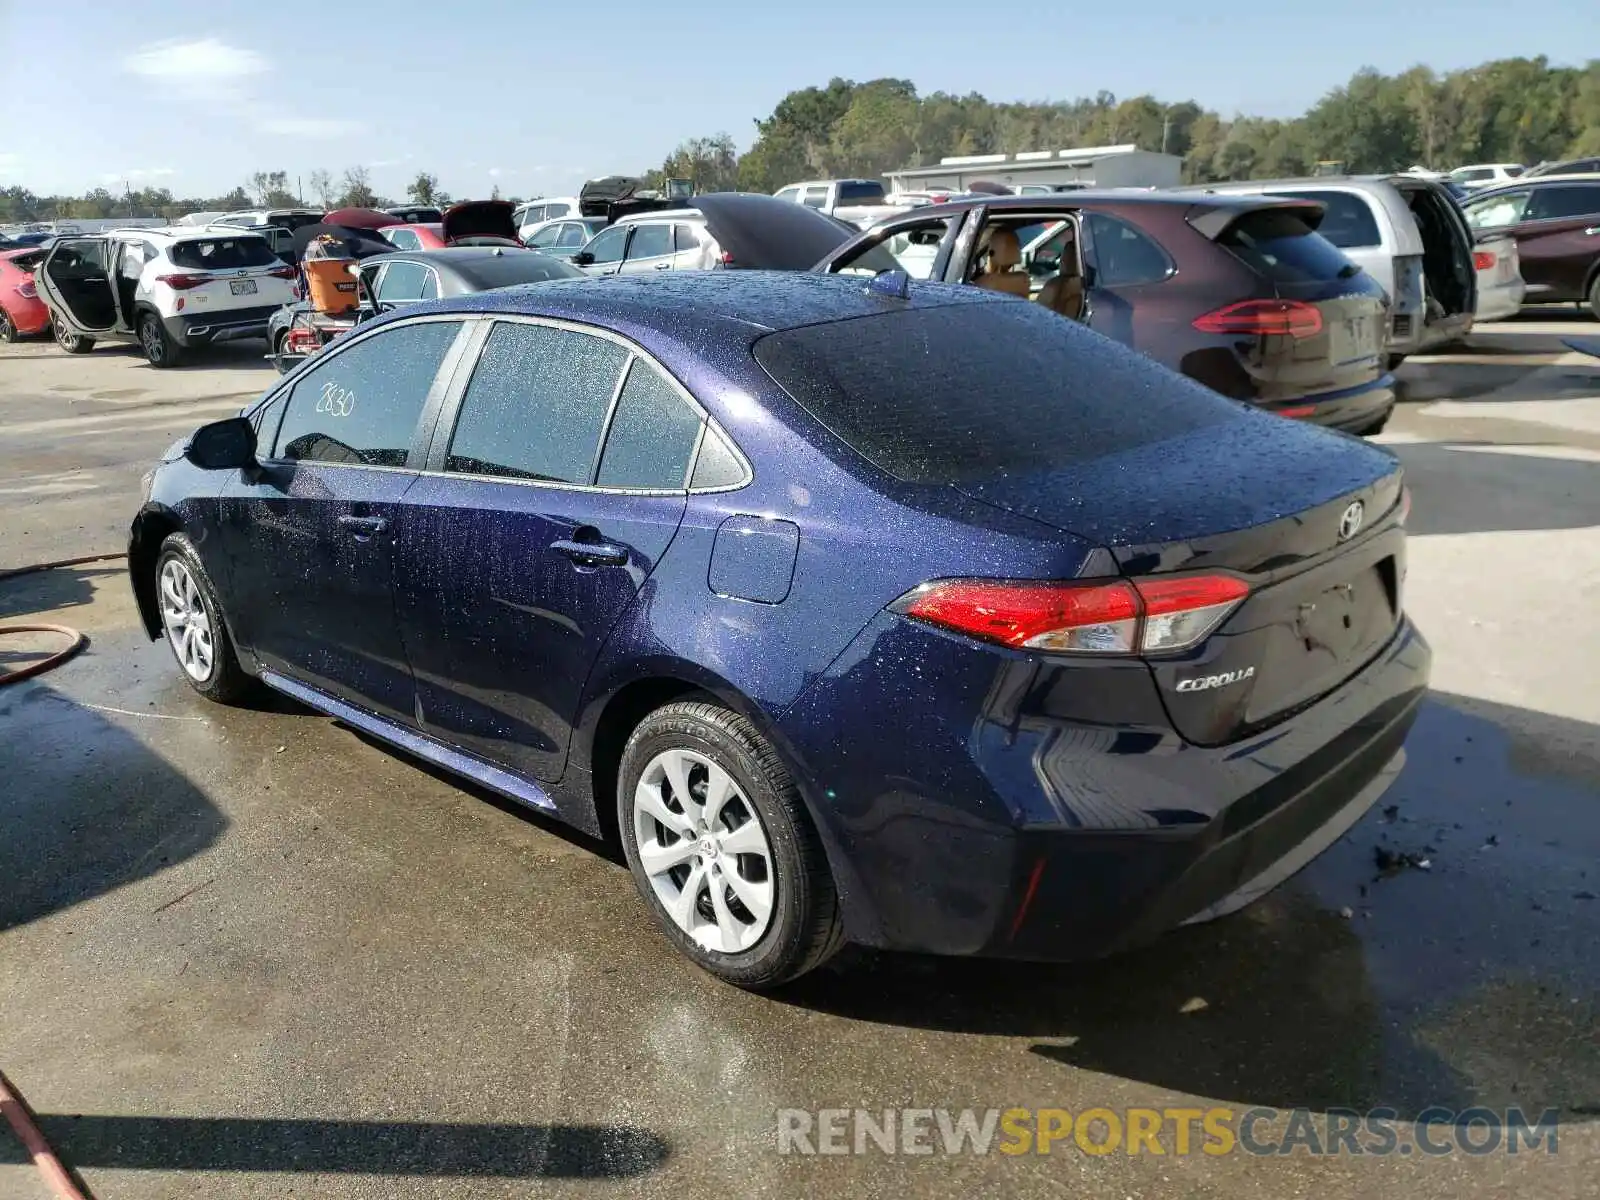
point(1204, 683)
point(1350, 520)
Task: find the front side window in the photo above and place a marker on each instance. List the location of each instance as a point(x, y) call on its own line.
point(1570, 200)
point(1505, 209)
point(1125, 256)
point(606, 247)
point(536, 405)
point(912, 249)
point(360, 405)
point(571, 235)
point(815, 197)
point(546, 237)
point(791, 194)
point(652, 434)
point(650, 241)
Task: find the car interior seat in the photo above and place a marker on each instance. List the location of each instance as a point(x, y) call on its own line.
point(1001, 273)
point(1063, 293)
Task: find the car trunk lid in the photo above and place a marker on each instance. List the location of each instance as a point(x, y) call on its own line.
point(479, 218)
point(1310, 520)
point(765, 233)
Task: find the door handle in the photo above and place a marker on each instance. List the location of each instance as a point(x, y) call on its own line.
point(664, 266)
point(1592, 230)
point(592, 554)
point(364, 526)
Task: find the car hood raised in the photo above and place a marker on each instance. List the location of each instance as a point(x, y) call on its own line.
point(765, 233)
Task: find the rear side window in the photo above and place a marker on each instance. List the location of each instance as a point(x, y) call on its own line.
point(974, 391)
point(573, 235)
point(1572, 200)
point(1348, 222)
point(650, 241)
point(536, 405)
point(556, 210)
point(221, 254)
point(1123, 255)
point(1279, 245)
point(861, 193)
point(360, 405)
point(1495, 211)
point(652, 435)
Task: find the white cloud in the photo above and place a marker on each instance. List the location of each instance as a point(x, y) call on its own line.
point(494, 172)
point(205, 60)
point(137, 173)
point(311, 127)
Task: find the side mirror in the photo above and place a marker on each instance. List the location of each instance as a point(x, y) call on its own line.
point(582, 259)
point(223, 445)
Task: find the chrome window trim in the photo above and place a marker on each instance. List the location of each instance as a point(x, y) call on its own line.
point(636, 352)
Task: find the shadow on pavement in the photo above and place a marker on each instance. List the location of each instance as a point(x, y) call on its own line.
point(45, 591)
point(1472, 982)
point(1479, 378)
point(1480, 487)
point(360, 1147)
point(85, 807)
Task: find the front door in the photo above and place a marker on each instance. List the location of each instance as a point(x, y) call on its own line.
point(650, 249)
point(523, 546)
point(310, 535)
point(603, 254)
point(75, 281)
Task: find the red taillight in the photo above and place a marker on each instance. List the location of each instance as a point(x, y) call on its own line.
point(301, 341)
point(1151, 615)
point(1483, 260)
point(725, 259)
point(182, 282)
point(1294, 318)
point(27, 290)
point(283, 272)
point(1296, 410)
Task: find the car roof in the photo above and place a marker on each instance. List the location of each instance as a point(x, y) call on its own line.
point(450, 256)
point(1093, 197)
point(699, 307)
point(186, 233)
point(1537, 181)
point(660, 214)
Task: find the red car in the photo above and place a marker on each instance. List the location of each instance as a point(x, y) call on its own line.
point(21, 311)
point(473, 223)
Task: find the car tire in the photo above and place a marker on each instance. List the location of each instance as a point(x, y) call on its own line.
point(71, 342)
point(1594, 298)
point(191, 619)
point(757, 847)
point(160, 351)
point(8, 328)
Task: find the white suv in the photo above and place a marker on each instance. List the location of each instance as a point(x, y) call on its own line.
point(672, 239)
point(166, 289)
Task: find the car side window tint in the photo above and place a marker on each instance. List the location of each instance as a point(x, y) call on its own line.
point(1570, 200)
point(430, 285)
point(685, 238)
point(650, 241)
point(546, 236)
point(607, 244)
point(1125, 256)
point(557, 210)
point(652, 435)
point(572, 234)
point(402, 281)
point(1495, 211)
point(360, 405)
point(405, 239)
point(536, 405)
point(717, 466)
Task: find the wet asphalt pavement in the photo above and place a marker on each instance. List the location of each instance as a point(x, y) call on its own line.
point(249, 953)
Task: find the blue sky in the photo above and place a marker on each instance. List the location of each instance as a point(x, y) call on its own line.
point(536, 97)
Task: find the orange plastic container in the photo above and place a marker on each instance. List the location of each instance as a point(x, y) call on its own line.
point(332, 287)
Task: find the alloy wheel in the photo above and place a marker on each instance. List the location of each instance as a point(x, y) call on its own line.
point(188, 626)
point(8, 332)
point(704, 850)
point(64, 338)
point(150, 337)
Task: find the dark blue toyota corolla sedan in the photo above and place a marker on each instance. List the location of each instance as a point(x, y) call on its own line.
point(903, 614)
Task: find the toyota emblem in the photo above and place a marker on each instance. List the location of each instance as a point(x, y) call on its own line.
point(1350, 520)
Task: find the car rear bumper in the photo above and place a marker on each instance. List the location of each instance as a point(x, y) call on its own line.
point(1501, 301)
point(28, 316)
point(1057, 825)
point(1350, 409)
point(224, 325)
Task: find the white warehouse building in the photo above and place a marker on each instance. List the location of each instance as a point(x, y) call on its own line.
point(1045, 170)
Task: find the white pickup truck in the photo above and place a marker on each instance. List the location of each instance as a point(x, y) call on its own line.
point(831, 195)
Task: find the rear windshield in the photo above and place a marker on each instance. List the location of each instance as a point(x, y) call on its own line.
point(518, 267)
point(1278, 244)
point(221, 254)
point(28, 261)
point(861, 193)
point(976, 391)
point(1348, 222)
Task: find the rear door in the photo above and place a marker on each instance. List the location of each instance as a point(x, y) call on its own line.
point(1559, 240)
point(525, 542)
point(1124, 268)
point(75, 282)
point(649, 249)
point(310, 536)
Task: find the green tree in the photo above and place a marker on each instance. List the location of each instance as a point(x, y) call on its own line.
point(424, 189)
point(358, 191)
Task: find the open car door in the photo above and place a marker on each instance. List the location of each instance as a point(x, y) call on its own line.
point(74, 281)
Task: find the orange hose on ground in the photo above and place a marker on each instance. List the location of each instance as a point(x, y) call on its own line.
point(20, 1116)
point(77, 641)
